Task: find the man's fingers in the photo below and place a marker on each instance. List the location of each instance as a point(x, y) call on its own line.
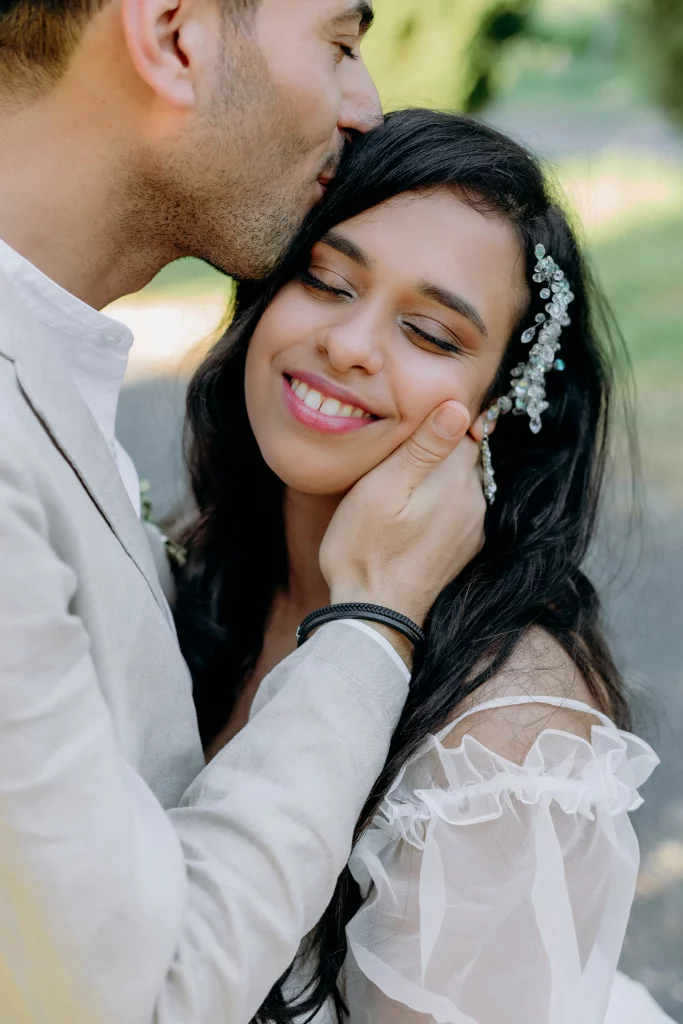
point(431, 443)
point(460, 474)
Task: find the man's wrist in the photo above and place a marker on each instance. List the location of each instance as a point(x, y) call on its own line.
point(401, 644)
point(403, 647)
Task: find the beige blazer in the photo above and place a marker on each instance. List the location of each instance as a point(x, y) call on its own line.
point(137, 886)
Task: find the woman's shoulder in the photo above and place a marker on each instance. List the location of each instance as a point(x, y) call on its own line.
point(538, 669)
point(534, 733)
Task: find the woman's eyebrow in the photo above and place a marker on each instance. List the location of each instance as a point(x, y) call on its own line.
point(454, 302)
point(346, 247)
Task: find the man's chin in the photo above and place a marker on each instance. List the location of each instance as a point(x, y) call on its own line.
point(261, 251)
point(258, 264)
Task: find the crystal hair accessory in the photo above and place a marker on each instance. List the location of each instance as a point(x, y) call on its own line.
point(490, 485)
point(527, 392)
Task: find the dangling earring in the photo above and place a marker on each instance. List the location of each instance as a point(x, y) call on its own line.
point(490, 486)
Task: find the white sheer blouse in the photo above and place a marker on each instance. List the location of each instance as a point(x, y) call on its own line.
point(498, 893)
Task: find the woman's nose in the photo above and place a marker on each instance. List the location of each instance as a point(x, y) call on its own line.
point(352, 346)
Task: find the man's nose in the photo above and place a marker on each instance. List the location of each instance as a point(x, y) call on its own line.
point(361, 108)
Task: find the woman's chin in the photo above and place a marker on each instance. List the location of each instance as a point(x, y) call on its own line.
point(313, 480)
point(303, 484)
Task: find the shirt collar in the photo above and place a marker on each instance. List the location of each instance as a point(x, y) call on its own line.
point(58, 309)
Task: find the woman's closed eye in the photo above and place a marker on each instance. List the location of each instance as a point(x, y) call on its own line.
point(419, 329)
point(327, 283)
point(421, 334)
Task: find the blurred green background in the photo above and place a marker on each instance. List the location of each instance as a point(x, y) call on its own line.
point(596, 88)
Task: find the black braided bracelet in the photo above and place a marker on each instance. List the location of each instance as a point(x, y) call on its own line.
point(370, 612)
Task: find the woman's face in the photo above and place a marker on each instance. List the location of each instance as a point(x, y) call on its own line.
point(402, 308)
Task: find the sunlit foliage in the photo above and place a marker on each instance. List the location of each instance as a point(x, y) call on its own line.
point(661, 22)
point(441, 53)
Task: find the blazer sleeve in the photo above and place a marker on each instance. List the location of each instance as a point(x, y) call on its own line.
point(113, 910)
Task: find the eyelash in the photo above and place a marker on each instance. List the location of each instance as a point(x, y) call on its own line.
point(348, 51)
point(445, 346)
point(314, 282)
point(310, 279)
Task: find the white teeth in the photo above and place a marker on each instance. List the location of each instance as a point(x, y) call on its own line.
point(313, 400)
point(327, 406)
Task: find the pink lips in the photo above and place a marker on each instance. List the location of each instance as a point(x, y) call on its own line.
point(317, 420)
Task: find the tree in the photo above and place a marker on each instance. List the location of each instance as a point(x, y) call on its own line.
point(660, 23)
point(441, 53)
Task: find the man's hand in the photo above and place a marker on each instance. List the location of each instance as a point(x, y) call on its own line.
point(412, 525)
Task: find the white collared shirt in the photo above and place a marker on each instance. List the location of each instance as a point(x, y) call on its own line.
point(94, 348)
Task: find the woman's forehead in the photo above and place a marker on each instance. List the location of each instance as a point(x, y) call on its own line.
point(439, 238)
point(437, 225)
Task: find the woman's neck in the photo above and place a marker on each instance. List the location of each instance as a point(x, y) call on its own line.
point(306, 518)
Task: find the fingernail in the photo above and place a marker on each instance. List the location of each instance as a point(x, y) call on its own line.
point(449, 421)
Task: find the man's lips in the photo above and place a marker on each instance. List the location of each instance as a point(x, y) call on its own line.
point(330, 169)
point(329, 421)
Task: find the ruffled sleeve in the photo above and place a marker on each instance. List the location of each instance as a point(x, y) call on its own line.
point(498, 893)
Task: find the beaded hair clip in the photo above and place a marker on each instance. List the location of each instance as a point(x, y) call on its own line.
point(527, 391)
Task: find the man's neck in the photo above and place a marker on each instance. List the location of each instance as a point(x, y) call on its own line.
point(61, 209)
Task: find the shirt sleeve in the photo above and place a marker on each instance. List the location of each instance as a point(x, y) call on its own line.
point(113, 910)
point(377, 638)
point(499, 893)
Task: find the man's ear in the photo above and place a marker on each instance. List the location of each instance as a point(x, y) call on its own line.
point(477, 426)
point(170, 43)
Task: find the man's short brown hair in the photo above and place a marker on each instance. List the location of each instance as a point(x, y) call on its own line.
point(38, 37)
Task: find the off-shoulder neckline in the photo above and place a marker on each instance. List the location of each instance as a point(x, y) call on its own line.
point(506, 702)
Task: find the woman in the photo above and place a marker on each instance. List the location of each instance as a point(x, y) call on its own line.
point(494, 867)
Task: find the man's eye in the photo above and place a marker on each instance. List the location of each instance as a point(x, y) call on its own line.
point(321, 286)
point(347, 51)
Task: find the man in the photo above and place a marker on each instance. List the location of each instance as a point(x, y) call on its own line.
point(136, 885)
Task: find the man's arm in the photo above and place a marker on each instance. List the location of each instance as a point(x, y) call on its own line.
point(113, 911)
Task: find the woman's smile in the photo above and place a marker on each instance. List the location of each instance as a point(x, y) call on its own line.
point(322, 405)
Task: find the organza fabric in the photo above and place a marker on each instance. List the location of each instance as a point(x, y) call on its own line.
point(499, 893)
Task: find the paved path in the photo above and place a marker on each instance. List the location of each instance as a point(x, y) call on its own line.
point(566, 132)
point(646, 615)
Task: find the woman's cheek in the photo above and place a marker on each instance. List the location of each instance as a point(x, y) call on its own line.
point(423, 387)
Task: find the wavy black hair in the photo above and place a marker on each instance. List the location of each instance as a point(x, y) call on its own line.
point(529, 572)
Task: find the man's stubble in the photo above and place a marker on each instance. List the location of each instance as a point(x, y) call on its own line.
point(233, 191)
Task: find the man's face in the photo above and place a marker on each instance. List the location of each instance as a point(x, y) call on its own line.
point(284, 92)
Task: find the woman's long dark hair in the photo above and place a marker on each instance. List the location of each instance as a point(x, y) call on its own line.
point(538, 532)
